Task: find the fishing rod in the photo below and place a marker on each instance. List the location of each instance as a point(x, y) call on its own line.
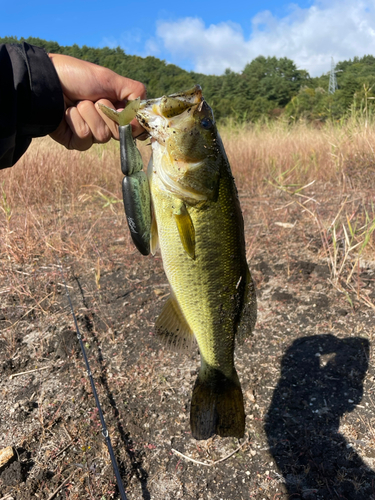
point(101, 416)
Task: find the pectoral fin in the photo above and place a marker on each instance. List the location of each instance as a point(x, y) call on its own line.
point(172, 328)
point(186, 229)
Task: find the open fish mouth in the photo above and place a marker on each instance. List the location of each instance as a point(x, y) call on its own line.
point(155, 115)
point(172, 105)
point(158, 115)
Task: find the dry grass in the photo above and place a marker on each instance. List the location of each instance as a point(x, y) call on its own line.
point(53, 198)
point(292, 155)
point(295, 155)
point(48, 174)
point(328, 172)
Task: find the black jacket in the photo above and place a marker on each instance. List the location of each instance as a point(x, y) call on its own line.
point(31, 99)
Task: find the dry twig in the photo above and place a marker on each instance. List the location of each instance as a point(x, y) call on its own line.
point(61, 486)
point(211, 462)
point(28, 371)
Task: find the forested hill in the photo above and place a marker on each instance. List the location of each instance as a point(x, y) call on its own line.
point(267, 86)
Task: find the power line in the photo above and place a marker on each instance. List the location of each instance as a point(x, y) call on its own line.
point(332, 78)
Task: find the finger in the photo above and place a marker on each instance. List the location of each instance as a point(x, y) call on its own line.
point(62, 134)
point(127, 89)
point(84, 80)
point(99, 129)
point(81, 138)
point(135, 89)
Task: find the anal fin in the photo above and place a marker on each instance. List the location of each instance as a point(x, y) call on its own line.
point(172, 328)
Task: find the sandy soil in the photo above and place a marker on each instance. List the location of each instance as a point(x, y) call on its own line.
point(307, 376)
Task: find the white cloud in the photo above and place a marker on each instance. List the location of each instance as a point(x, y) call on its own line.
point(339, 28)
point(109, 41)
point(131, 41)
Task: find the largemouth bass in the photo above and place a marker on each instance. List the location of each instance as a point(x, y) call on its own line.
point(198, 224)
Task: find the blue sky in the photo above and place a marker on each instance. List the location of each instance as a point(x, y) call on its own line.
point(205, 36)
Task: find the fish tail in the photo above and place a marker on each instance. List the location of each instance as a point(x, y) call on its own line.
point(217, 405)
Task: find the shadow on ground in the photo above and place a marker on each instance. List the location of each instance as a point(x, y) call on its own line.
point(321, 380)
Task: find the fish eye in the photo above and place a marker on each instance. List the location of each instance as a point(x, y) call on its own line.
point(206, 123)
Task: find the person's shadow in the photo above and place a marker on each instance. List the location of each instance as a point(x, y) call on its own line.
point(321, 380)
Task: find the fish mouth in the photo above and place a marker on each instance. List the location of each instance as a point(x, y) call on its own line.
point(154, 114)
point(177, 125)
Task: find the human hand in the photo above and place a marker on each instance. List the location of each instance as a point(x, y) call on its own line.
point(85, 85)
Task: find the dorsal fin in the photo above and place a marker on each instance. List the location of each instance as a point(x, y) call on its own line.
point(249, 311)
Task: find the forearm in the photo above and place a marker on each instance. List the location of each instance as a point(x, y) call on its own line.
point(31, 99)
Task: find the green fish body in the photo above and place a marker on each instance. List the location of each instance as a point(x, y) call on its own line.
point(198, 225)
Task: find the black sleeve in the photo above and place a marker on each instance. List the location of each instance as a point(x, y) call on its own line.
point(31, 99)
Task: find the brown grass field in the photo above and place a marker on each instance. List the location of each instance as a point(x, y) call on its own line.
point(308, 200)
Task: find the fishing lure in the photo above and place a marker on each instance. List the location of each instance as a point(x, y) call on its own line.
point(135, 187)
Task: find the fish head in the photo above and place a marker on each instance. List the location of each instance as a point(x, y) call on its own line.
point(186, 145)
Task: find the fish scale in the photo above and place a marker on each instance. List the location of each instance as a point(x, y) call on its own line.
point(204, 288)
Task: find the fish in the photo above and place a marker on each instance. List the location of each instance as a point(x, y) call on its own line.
point(198, 225)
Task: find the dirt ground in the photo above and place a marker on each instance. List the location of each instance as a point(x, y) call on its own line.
point(307, 374)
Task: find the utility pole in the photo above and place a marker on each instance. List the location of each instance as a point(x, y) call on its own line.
point(332, 79)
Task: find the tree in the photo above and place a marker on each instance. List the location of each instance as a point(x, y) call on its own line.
point(277, 80)
point(266, 86)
